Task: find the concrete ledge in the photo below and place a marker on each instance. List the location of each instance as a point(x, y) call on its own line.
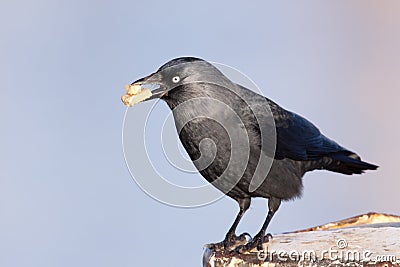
point(367, 240)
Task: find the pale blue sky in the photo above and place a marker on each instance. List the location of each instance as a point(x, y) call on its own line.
point(66, 197)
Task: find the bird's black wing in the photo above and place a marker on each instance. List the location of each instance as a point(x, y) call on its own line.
point(296, 137)
point(299, 139)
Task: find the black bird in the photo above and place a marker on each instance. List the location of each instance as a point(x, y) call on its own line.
point(283, 144)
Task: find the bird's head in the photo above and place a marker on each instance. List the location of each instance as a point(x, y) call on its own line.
point(175, 73)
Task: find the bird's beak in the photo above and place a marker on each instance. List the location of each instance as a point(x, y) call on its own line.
point(152, 82)
point(147, 88)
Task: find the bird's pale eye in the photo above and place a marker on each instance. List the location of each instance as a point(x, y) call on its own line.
point(176, 79)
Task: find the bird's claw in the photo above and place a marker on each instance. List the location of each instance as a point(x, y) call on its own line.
point(230, 241)
point(257, 241)
point(268, 237)
point(234, 240)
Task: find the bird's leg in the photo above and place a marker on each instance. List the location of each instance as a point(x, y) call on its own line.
point(231, 239)
point(258, 240)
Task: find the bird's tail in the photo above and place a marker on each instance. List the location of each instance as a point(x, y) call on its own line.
point(349, 163)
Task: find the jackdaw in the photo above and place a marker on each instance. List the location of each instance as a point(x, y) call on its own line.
point(277, 147)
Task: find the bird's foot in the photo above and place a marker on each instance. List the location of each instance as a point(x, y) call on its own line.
point(230, 241)
point(234, 240)
point(257, 241)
